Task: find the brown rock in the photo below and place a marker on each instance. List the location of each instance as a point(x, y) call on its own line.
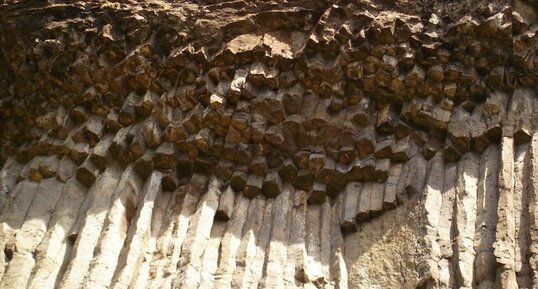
point(169, 181)
point(435, 73)
point(304, 180)
point(87, 173)
point(318, 193)
point(272, 185)
point(100, 155)
point(80, 152)
point(258, 166)
point(226, 204)
point(238, 180)
point(144, 165)
point(165, 156)
point(253, 186)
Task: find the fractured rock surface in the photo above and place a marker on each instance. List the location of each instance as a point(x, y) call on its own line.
point(259, 144)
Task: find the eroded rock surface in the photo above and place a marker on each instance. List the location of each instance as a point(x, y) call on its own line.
point(259, 144)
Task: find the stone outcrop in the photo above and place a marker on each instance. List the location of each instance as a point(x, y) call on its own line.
point(268, 144)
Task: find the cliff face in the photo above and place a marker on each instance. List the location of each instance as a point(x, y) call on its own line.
point(258, 144)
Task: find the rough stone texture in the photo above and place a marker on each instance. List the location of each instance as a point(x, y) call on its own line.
point(268, 144)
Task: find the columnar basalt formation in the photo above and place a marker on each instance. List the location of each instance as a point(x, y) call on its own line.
point(259, 144)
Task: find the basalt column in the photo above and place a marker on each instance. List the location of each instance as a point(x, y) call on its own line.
point(268, 144)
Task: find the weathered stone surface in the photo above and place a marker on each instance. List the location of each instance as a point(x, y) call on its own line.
point(277, 250)
point(53, 249)
point(226, 204)
point(31, 234)
point(197, 237)
point(445, 227)
point(86, 236)
point(272, 185)
point(247, 247)
point(466, 217)
point(363, 207)
point(130, 257)
point(504, 245)
point(13, 217)
point(253, 186)
point(176, 220)
point(349, 209)
point(8, 178)
point(122, 210)
point(291, 144)
point(231, 243)
point(390, 191)
point(87, 173)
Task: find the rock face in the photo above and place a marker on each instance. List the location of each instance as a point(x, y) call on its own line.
point(268, 144)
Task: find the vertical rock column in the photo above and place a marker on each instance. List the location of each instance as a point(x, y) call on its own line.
point(13, 218)
point(54, 248)
point(465, 218)
point(141, 277)
point(295, 265)
point(121, 211)
point(533, 200)
point(197, 238)
point(486, 219)
point(8, 178)
point(432, 202)
point(445, 228)
point(137, 236)
point(247, 249)
point(172, 236)
point(278, 245)
point(87, 236)
point(521, 215)
point(231, 242)
point(31, 233)
point(504, 247)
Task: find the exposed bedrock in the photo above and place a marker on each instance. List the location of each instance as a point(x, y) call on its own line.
point(259, 144)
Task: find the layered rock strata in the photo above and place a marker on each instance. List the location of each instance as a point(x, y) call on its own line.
point(311, 144)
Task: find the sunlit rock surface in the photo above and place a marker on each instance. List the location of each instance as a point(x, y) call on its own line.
point(268, 144)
